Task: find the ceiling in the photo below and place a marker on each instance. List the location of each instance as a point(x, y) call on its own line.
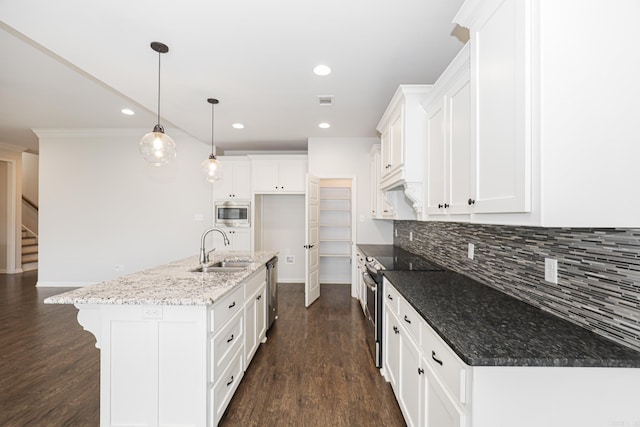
point(76, 64)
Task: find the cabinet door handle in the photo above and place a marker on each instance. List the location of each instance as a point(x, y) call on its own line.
point(439, 205)
point(433, 356)
point(230, 338)
point(395, 329)
point(259, 297)
point(406, 319)
point(446, 205)
point(308, 246)
point(230, 381)
point(471, 202)
point(233, 304)
point(420, 371)
point(390, 297)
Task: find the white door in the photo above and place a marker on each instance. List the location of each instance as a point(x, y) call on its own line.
point(312, 260)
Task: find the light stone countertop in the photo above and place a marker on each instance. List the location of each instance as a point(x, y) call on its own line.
point(168, 284)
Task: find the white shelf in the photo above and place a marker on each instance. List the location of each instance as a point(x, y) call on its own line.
point(335, 231)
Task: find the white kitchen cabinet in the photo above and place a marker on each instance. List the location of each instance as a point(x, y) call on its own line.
point(239, 239)
point(255, 315)
point(501, 52)
point(449, 147)
point(380, 207)
point(278, 174)
point(549, 150)
point(391, 350)
point(403, 135)
point(410, 379)
point(359, 270)
point(439, 408)
point(235, 182)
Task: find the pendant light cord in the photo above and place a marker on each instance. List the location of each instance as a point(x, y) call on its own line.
point(212, 122)
point(159, 56)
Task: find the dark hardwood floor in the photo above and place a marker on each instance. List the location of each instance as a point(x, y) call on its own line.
point(314, 370)
point(49, 365)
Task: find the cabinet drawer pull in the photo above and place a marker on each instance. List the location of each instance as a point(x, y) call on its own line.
point(233, 304)
point(433, 356)
point(406, 319)
point(471, 202)
point(420, 371)
point(395, 329)
point(230, 338)
point(230, 381)
point(390, 297)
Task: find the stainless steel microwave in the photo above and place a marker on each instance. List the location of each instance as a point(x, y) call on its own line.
point(232, 214)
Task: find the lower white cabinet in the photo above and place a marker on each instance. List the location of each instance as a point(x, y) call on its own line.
point(435, 388)
point(255, 316)
point(175, 364)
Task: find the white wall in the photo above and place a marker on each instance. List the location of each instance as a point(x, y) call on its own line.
point(30, 176)
point(101, 205)
point(349, 158)
point(4, 210)
point(282, 228)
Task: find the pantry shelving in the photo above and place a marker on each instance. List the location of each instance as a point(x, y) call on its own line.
point(335, 230)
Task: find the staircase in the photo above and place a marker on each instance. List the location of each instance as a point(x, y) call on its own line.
point(29, 250)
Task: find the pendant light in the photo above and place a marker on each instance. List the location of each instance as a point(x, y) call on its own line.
point(212, 167)
point(157, 147)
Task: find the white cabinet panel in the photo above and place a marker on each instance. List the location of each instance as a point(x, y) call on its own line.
point(235, 181)
point(278, 174)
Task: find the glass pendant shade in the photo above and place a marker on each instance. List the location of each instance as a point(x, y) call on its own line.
point(157, 147)
point(212, 169)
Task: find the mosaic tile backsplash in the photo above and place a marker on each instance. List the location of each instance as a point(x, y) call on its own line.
point(598, 269)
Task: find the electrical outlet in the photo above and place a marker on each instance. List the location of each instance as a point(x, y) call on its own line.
point(551, 270)
point(152, 313)
point(289, 259)
point(119, 268)
point(470, 251)
point(411, 236)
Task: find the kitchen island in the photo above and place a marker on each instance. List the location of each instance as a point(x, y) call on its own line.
point(174, 343)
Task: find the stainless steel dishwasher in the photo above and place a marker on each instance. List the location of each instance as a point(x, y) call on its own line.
point(272, 291)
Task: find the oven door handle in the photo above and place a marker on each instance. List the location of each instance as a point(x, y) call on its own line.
point(368, 280)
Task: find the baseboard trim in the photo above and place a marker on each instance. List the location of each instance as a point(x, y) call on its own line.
point(41, 284)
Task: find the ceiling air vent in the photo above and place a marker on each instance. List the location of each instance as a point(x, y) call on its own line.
point(325, 100)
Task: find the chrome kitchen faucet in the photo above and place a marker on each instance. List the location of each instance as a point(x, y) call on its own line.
point(204, 256)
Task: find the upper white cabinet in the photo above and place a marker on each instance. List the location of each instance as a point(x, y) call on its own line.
point(550, 149)
point(380, 207)
point(278, 174)
point(235, 182)
point(449, 149)
point(403, 135)
point(501, 105)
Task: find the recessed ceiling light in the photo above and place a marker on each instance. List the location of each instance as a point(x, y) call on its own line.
point(238, 126)
point(324, 125)
point(127, 112)
point(322, 70)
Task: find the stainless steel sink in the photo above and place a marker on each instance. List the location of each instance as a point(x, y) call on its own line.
point(222, 266)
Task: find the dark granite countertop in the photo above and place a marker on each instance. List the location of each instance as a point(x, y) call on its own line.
point(486, 327)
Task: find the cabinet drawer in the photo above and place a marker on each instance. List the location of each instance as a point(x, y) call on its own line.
point(225, 309)
point(225, 387)
point(410, 319)
point(445, 364)
point(391, 296)
point(254, 283)
point(225, 345)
